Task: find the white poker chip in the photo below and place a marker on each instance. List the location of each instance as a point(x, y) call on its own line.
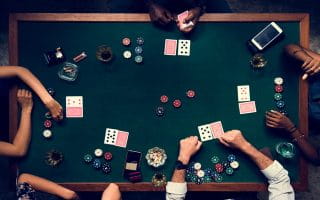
point(127, 54)
point(98, 152)
point(278, 81)
point(197, 166)
point(47, 133)
point(200, 173)
point(234, 164)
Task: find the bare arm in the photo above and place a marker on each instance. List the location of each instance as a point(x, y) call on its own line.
point(27, 77)
point(261, 160)
point(47, 186)
point(21, 142)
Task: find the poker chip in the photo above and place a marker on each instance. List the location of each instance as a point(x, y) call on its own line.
point(231, 157)
point(277, 96)
point(48, 115)
point(127, 54)
point(176, 103)
point(164, 99)
point(108, 156)
point(229, 171)
point(194, 179)
point(278, 88)
point(278, 81)
point(200, 173)
point(126, 41)
point(284, 112)
point(98, 152)
point(160, 111)
point(138, 59)
point(189, 176)
point(96, 163)
point(87, 158)
point(214, 174)
point(219, 167)
point(199, 180)
point(280, 104)
point(218, 178)
point(215, 159)
point(47, 133)
point(207, 179)
point(226, 164)
point(191, 93)
point(140, 41)
point(51, 91)
point(159, 180)
point(234, 165)
point(208, 172)
point(106, 168)
point(47, 123)
point(138, 50)
point(197, 166)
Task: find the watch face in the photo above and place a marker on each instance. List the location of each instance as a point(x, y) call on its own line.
point(180, 165)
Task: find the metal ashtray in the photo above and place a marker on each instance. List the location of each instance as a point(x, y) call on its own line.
point(104, 53)
point(258, 61)
point(156, 157)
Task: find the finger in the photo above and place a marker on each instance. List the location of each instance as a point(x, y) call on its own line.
point(316, 70)
point(223, 142)
point(309, 66)
point(272, 115)
point(271, 125)
point(272, 119)
point(199, 145)
point(168, 15)
point(19, 93)
point(305, 64)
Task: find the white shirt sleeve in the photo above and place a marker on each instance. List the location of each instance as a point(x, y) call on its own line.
point(279, 182)
point(176, 191)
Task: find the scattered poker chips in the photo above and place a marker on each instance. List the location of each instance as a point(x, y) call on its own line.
point(87, 158)
point(47, 133)
point(226, 164)
point(160, 111)
point(219, 167)
point(277, 96)
point(231, 157)
point(98, 152)
point(48, 115)
point(218, 178)
point(199, 180)
point(164, 99)
point(126, 41)
point(47, 123)
point(197, 166)
point(229, 171)
point(138, 59)
point(159, 180)
point(138, 50)
point(140, 41)
point(278, 81)
point(234, 165)
point(127, 54)
point(96, 163)
point(53, 158)
point(106, 168)
point(200, 173)
point(215, 159)
point(191, 93)
point(280, 104)
point(108, 156)
point(51, 91)
point(176, 103)
point(278, 88)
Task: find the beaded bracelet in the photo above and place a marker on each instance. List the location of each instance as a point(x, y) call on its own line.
point(293, 129)
point(297, 51)
point(298, 138)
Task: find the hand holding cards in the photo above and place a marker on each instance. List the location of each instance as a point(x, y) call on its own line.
point(181, 17)
point(210, 131)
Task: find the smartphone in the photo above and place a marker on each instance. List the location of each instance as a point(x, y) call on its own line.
point(266, 36)
point(132, 162)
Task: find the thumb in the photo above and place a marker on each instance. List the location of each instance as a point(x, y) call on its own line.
point(199, 145)
point(190, 17)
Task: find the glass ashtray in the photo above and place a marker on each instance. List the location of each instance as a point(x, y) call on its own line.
point(156, 157)
point(68, 71)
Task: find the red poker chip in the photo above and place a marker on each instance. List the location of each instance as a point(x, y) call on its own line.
point(126, 41)
point(108, 156)
point(47, 123)
point(164, 99)
point(278, 88)
point(176, 103)
point(191, 93)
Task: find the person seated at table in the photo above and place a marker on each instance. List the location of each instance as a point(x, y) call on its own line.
point(277, 120)
point(279, 182)
point(27, 183)
point(163, 12)
point(27, 77)
point(112, 192)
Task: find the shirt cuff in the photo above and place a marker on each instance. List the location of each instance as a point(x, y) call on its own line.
point(272, 170)
point(176, 188)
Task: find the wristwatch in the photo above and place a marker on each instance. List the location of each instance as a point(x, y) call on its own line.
point(180, 165)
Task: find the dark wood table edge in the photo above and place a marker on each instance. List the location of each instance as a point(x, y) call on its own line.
point(302, 18)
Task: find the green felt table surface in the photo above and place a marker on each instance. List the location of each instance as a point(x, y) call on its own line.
point(124, 95)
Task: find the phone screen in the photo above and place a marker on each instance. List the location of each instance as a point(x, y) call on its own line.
point(266, 36)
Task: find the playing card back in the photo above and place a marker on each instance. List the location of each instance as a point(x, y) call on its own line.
point(247, 107)
point(170, 47)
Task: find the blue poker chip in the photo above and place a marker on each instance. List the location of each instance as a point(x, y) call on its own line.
point(280, 104)
point(231, 157)
point(138, 50)
point(138, 59)
point(199, 180)
point(140, 41)
point(106, 168)
point(208, 172)
point(96, 163)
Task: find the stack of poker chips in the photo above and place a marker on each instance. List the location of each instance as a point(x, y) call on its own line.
point(96, 161)
point(137, 49)
point(53, 158)
point(196, 174)
point(278, 95)
point(159, 180)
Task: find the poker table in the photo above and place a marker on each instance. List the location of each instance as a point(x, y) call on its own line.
point(123, 94)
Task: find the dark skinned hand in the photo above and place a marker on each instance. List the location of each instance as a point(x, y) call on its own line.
point(159, 14)
point(311, 66)
point(275, 119)
point(193, 16)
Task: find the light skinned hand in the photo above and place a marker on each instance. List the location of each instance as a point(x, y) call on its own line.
point(24, 98)
point(55, 109)
point(193, 16)
point(188, 147)
point(275, 119)
point(234, 139)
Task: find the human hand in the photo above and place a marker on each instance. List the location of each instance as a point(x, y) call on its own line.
point(188, 147)
point(55, 109)
point(159, 14)
point(24, 98)
point(234, 139)
point(275, 119)
point(311, 66)
point(193, 16)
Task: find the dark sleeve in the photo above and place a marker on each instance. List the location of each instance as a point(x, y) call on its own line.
point(317, 160)
point(200, 3)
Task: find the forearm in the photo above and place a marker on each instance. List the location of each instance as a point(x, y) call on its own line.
point(297, 52)
point(261, 160)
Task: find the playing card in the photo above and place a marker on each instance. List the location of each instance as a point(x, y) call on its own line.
point(205, 132)
point(243, 93)
point(170, 47)
point(122, 139)
point(74, 106)
point(247, 107)
point(110, 136)
point(182, 16)
point(184, 47)
point(217, 129)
